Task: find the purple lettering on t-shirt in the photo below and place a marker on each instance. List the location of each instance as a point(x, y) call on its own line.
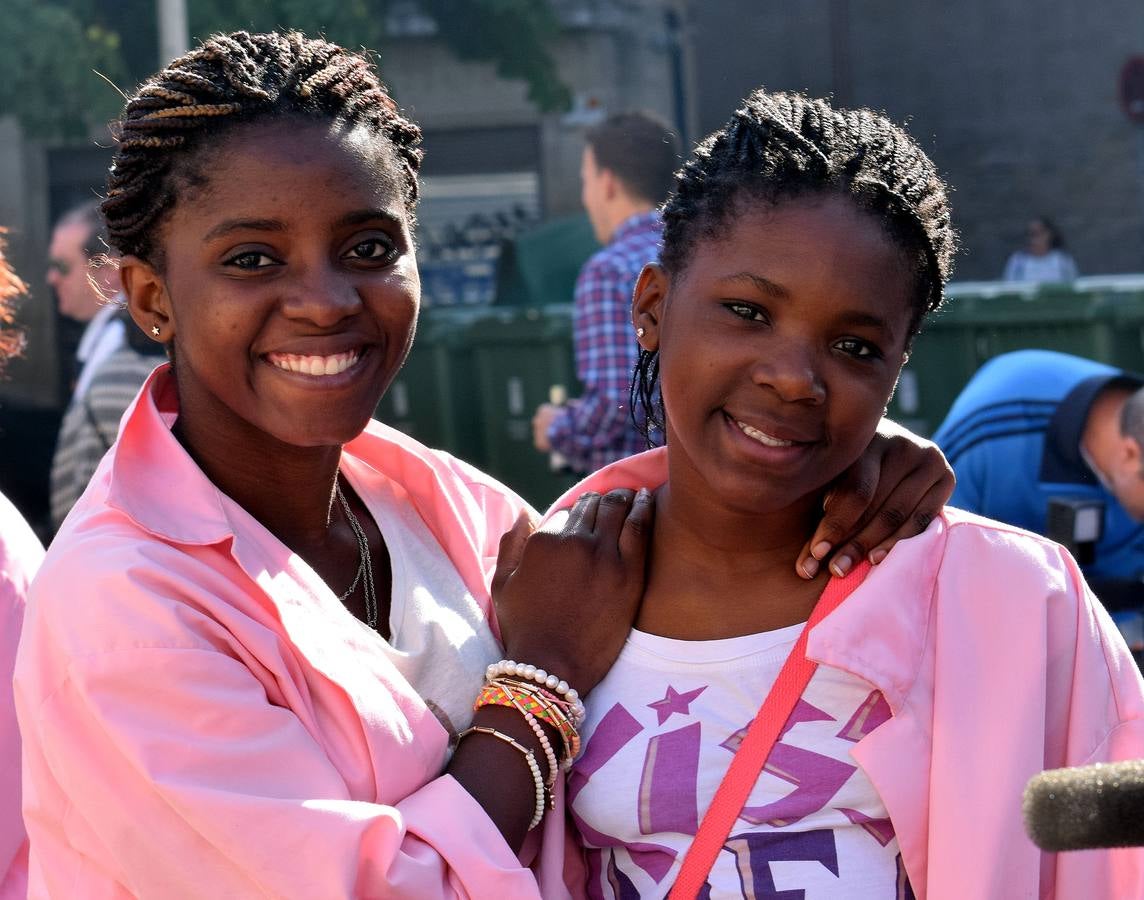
point(882, 830)
point(817, 779)
point(872, 713)
point(616, 729)
point(668, 786)
point(622, 887)
point(754, 852)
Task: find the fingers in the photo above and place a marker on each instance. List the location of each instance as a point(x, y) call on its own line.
point(511, 549)
point(849, 501)
point(906, 511)
point(924, 512)
point(582, 516)
point(612, 511)
point(636, 533)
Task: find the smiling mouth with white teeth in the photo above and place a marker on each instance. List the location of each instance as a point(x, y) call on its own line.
point(765, 439)
point(314, 365)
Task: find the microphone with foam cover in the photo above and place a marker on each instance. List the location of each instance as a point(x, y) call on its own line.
point(1087, 807)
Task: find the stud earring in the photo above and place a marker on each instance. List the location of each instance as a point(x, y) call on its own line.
point(640, 332)
point(155, 330)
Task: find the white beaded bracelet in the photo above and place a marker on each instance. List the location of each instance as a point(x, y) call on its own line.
point(532, 673)
point(529, 757)
point(546, 746)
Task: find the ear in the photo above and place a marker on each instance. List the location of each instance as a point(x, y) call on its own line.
point(1130, 454)
point(610, 183)
point(147, 298)
point(648, 302)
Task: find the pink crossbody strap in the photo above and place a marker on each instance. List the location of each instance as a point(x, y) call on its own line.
point(761, 736)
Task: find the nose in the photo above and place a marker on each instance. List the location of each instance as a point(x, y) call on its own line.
point(323, 295)
point(791, 371)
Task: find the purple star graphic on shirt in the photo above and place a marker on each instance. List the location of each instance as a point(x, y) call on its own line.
point(674, 702)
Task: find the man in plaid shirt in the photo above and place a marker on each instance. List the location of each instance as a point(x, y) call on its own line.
point(626, 172)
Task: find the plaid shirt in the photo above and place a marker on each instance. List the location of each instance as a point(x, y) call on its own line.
point(596, 429)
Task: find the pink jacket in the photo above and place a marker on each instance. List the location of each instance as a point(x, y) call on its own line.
point(20, 555)
point(202, 718)
point(997, 662)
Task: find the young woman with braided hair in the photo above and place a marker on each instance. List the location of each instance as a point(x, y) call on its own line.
point(259, 634)
point(803, 246)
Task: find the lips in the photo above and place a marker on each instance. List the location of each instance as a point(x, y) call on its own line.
point(313, 365)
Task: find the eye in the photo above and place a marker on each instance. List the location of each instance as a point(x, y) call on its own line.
point(251, 260)
point(375, 249)
point(859, 349)
point(747, 311)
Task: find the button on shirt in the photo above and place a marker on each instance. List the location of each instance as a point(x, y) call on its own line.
point(597, 429)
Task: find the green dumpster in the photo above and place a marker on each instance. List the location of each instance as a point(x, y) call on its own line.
point(1102, 322)
point(540, 266)
point(434, 396)
point(519, 355)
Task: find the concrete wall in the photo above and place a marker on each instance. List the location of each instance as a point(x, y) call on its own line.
point(1015, 101)
point(620, 64)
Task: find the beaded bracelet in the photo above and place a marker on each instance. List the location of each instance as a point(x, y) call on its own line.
point(534, 707)
point(549, 754)
point(532, 673)
point(530, 758)
point(543, 705)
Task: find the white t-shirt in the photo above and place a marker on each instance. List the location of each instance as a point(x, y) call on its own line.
point(661, 730)
point(1056, 265)
point(439, 638)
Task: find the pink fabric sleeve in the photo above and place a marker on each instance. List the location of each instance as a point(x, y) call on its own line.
point(1106, 687)
point(184, 781)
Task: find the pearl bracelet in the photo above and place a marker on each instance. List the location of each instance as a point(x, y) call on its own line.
point(546, 746)
point(529, 757)
point(531, 673)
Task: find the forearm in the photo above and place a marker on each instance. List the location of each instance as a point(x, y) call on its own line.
point(497, 775)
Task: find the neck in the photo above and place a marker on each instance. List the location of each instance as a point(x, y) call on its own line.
point(622, 209)
point(717, 572)
point(288, 489)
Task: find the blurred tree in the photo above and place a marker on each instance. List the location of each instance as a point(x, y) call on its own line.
point(54, 48)
point(48, 65)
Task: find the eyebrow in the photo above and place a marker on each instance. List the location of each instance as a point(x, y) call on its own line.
point(276, 225)
point(758, 281)
point(231, 225)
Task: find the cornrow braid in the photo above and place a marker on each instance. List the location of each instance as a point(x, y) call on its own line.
point(231, 79)
point(783, 146)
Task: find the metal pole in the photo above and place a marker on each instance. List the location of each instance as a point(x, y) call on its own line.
point(172, 19)
point(674, 26)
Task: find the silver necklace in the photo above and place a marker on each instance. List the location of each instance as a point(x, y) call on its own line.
point(365, 566)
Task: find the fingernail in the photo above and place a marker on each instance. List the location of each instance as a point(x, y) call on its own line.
point(643, 493)
point(841, 565)
point(819, 550)
point(810, 567)
point(876, 556)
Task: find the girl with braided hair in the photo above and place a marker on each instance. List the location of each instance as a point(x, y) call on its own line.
point(803, 246)
point(251, 657)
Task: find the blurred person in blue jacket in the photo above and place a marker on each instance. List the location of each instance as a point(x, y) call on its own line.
point(1036, 425)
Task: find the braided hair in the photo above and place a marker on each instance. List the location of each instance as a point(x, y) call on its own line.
point(232, 79)
point(784, 146)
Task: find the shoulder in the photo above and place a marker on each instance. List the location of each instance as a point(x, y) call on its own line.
point(605, 264)
point(429, 475)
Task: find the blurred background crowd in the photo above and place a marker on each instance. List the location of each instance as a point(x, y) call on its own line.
point(1035, 114)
